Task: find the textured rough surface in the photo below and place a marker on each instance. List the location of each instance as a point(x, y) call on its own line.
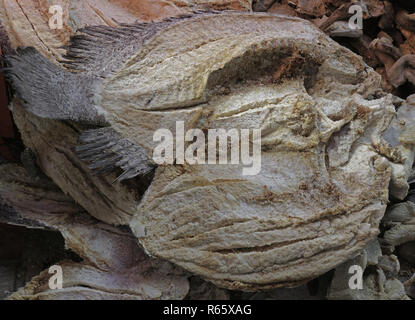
point(113, 266)
point(401, 136)
point(27, 21)
point(400, 223)
point(54, 142)
point(324, 181)
point(326, 166)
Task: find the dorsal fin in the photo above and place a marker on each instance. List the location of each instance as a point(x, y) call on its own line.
point(99, 50)
point(106, 150)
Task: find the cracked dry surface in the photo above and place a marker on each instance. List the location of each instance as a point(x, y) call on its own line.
point(326, 165)
point(323, 186)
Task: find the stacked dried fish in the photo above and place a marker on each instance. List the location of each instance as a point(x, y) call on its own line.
point(341, 147)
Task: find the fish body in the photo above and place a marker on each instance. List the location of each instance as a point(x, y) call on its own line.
point(323, 185)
